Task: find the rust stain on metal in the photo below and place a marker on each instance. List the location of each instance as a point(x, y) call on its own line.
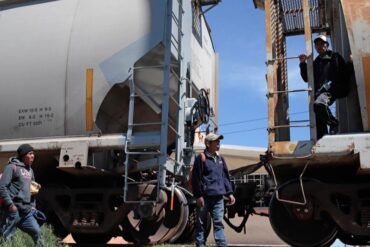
point(366, 68)
point(351, 147)
point(292, 147)
point(283, 147)
point(270, 77)
point(357, 20)
point(357, 15)
point(357, 9)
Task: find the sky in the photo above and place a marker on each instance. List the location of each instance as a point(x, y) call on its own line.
point(238, 34)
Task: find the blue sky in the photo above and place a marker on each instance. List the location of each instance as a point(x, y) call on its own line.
point(238, 33)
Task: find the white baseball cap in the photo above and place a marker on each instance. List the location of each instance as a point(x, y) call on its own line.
point(321, 37)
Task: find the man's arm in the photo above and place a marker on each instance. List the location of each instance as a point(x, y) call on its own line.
point(197, 180)
point(227, 183)
point(33, 197)
point(5, 181)
point(197, 177)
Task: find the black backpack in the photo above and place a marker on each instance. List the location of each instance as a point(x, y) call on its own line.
point(341, 73)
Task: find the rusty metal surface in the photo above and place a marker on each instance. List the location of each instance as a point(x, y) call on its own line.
point(293, 17)
point(281, 75)
point(269, 4)
point(331, 150)
point(287, 148)
point(276, 74)
point(305, 17)
point(357, 21)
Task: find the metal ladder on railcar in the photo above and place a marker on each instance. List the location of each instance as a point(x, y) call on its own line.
point(285, 18)
point(147, 141)
point(288, 19)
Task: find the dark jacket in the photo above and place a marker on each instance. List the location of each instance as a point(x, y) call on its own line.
point(15, 184)
point(211, 177)
point(330, 67)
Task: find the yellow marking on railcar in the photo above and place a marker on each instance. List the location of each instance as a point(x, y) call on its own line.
point(89, 97)
point(366, 67)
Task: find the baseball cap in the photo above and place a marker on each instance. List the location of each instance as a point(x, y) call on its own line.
point(321, 37)
point(213, 137)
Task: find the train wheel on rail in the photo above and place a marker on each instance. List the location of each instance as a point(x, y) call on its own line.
point(164, 225)
point(300, 225)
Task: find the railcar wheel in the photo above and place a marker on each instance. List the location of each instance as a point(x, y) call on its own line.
point(166, 225)
point(300, 225)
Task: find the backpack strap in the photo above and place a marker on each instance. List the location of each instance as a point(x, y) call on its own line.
point(203, 157)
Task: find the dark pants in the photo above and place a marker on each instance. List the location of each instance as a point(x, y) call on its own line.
point(25, 222)
point(323, 114)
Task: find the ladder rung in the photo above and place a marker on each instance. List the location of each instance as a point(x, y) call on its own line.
point(281, 58)
point(146, 153)
point(290, 126)
point(299, 121)
point(175, 18)
point(145, 124)
point(178, 51)
point(146, 94)
point(291, 91)
point(174, 39)
point(175, 101)
point(149, 67)
point(174, 130)
point(175, 75)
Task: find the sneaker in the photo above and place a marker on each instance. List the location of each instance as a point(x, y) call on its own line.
point(333, 129)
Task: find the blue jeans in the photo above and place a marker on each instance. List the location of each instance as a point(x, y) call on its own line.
point(26, 223)
point(214, 205)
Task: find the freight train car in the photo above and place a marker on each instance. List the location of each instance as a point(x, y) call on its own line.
point(109, 93)
point(322, 185)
